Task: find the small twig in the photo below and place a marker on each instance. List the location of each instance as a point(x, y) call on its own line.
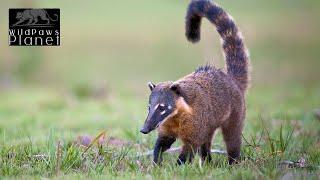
point(43, 157)
point(40, 156)
point(59, 154)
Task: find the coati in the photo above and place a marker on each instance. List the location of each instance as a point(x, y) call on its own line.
point(193, 107)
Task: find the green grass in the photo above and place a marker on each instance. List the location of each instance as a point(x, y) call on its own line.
point(96, 81)
point(272, 134)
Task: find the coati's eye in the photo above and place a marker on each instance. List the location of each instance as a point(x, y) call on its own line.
point(162, 107)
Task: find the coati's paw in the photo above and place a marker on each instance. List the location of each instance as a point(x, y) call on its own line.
point(182, 159)
point(233, 161)
point(156, 163)
point(180, 162)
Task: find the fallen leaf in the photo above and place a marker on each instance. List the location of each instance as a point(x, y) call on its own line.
point(301, 162)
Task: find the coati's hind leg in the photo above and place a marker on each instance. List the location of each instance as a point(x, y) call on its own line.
point(231, 131)
point(205, 152)
point(163, 143)
point(187, 154)
point(205, 149)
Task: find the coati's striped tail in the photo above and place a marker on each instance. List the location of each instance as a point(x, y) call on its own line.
point(236, 54)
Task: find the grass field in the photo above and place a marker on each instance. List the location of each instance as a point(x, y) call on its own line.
point(96, 81)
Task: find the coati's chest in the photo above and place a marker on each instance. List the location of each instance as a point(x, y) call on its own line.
point(170, 127)
point(179, 127)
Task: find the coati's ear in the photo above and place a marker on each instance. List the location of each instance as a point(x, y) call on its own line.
point(176, 88)
point(151, 86)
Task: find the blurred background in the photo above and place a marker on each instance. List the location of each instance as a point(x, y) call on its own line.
point(109, 51)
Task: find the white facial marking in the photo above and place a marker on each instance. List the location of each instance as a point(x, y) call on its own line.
point(169, 116)
point(163, 112)
point(156, 106)
point(169, 107)
point(162, 105)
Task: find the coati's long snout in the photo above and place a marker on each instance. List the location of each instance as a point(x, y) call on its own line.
point(153, 120)
point(151, 123)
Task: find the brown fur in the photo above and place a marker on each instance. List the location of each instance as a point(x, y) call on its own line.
point(212, 104)
point(208, 98)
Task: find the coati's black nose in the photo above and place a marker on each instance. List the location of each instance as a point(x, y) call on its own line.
point(144, 131)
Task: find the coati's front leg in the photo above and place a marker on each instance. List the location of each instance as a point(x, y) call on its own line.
point(163, 143)
point(187, 154)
